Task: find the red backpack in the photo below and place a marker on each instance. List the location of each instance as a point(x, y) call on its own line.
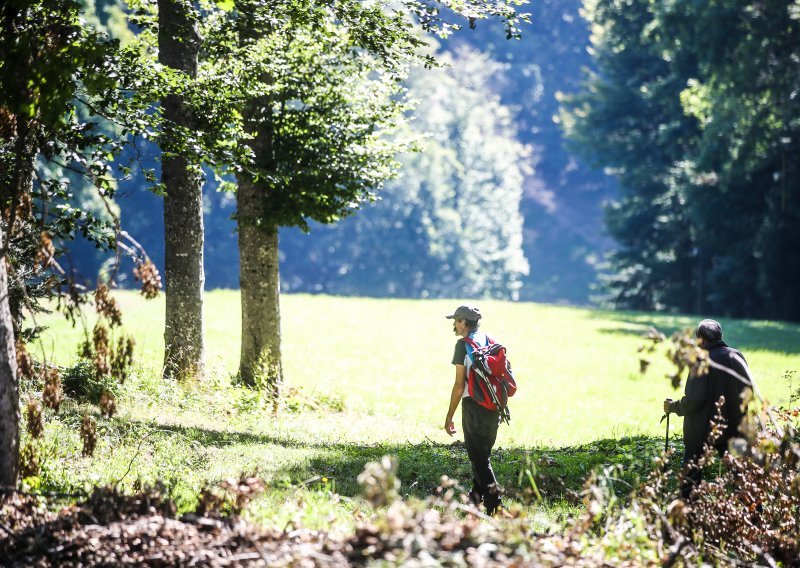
point(490, 381)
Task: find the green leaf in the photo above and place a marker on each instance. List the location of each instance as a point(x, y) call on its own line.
point(226, 5)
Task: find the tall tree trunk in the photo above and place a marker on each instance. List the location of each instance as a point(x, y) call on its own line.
point(259, 276)
point(9, 387)
point(259, 281)
point(22, 181)
point(179, 44)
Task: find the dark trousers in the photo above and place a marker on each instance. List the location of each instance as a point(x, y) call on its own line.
point(480, 433)
point(692, 473)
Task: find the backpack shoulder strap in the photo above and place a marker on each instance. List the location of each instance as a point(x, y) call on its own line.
point(471, 342)
point(471, 346)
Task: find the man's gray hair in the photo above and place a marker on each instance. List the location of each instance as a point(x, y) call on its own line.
point(709, 329)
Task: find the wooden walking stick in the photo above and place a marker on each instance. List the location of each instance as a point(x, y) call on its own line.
point(666, 436)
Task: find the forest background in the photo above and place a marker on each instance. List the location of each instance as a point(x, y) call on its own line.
point(491, 139)
point(689, 109)
point(615, 152)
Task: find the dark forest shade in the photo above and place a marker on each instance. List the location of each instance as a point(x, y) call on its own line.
point(694, 106)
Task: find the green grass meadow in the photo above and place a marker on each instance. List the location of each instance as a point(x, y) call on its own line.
point(373, 376)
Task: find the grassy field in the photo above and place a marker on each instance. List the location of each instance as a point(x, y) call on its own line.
point(373, 377)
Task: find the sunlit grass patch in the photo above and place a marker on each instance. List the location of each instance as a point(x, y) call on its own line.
point(370, 377)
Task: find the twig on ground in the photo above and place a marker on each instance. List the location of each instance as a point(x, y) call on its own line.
point(135, 455)
point(475, 512)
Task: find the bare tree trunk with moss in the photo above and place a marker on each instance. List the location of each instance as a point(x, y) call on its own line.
point(179, 44)
point(259, 274)
point(259, 281)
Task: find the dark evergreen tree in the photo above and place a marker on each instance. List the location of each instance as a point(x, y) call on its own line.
point(744, 97)
point(714, 227)
point(630, 120)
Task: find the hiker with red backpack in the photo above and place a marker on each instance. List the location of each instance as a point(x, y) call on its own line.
point(482, 386)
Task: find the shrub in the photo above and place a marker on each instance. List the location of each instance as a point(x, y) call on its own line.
point(82, 383)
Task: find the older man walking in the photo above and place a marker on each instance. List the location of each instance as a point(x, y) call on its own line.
point(698, 405)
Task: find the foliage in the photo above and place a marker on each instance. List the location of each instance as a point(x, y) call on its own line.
point(57, 77)
point(562, 236)
point(320, 98)
point(692, 108)
point(629, 119)
point(449, 225)
point(60, 128)
point(82, 383)
point(326, 78)
point(42, 62)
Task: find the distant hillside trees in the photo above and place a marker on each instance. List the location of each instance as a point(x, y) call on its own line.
point(449, 225)
point(563, 234)
point(695, 107)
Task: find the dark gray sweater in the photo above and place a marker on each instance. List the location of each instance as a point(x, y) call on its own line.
point(701, 394)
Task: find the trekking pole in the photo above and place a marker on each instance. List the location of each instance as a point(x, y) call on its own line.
point(666, 436)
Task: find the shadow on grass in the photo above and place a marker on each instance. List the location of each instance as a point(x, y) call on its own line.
point(558, 473)
point(216, 438)
point(746, 335)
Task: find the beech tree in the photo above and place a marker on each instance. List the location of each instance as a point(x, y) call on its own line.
point(314, 130)
point(322, 90)
point(182, 184)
